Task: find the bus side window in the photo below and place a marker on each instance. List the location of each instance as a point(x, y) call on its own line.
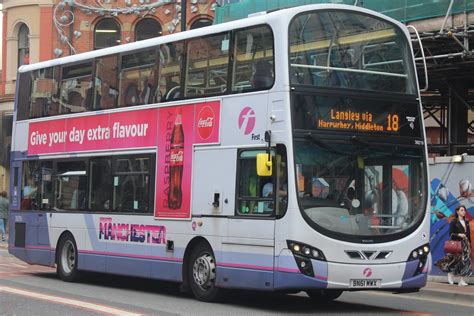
point(106, 85)
point(170, 71)
point(76, 88)
point(138, 78)
point(44, 92)
point(36, 186)
point(253, 66)
point(71, 185)
point(255, 194)
point(206, 72)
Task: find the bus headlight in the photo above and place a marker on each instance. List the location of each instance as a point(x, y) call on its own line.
point(420, 254)
point(298, 248)
point(303, 254)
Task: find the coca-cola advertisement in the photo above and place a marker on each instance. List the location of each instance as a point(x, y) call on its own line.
point(172, 130)
point(181, 128)
point(175, 193)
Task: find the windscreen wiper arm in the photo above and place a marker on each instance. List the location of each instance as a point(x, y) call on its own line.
point(357, 139)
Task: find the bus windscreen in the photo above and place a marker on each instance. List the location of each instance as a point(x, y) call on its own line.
point(340, 49)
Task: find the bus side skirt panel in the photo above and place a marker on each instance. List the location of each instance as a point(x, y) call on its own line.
point(241, 278)
point(32, 245)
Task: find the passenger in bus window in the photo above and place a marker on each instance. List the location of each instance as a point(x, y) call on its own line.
point(147, 91)
point(108, 96)
point(349, 197)
point(267, 192)
point(29, 196)
point(263, 75)
point(172, 90)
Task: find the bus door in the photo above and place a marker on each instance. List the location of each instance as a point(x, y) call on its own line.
point(249, 246)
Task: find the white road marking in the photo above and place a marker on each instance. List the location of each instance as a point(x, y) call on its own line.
point(67, 301)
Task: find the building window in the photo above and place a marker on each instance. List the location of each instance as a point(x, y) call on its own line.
point(23, 45)
point(106, 34)
point(147, 28)
point(200, 23)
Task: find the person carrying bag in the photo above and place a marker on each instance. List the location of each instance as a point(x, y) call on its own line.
point(457, 260)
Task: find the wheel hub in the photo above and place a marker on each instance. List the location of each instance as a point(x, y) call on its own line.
point(68, 257)
point(204, 271)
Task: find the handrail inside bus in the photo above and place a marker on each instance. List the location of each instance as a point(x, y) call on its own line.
point(389, 74)
point(344, 40)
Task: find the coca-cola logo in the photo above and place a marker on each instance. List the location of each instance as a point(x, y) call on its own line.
point(205, 122)
point(177, 157)
point(247, 120)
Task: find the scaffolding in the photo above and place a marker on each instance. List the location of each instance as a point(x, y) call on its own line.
point(402, 10)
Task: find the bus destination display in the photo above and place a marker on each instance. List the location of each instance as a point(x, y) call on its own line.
point(363, 121)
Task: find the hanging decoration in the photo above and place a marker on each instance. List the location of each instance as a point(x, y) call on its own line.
point(63, 15)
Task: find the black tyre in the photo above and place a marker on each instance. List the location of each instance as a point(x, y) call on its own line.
point(202, 274)
point(323, 295)
point(66, 259)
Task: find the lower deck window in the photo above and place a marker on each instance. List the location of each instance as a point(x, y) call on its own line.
point(103, 184)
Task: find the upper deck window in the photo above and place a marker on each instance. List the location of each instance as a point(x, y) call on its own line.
point(206, 72)
point(253, 67)
point(138, 78)
point(76, 88)
point(342, 49)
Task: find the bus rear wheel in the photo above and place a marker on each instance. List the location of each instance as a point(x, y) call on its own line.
point(323, 295)
point(202, 274)
point(67, 259)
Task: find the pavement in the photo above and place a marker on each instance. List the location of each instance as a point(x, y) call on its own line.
point(437, 288)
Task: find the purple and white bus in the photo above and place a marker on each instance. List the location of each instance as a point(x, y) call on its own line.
point(282, 152)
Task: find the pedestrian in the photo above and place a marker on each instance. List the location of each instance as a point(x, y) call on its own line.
point(3, 214)
point(458, 264)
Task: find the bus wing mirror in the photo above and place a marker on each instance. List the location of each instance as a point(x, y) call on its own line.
point(264, 165)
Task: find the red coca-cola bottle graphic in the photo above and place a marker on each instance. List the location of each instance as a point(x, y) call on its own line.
point(175, 194)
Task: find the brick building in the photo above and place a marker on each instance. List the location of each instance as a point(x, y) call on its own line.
point(38, 30)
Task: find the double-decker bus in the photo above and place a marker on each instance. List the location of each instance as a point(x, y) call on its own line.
point(282, 152)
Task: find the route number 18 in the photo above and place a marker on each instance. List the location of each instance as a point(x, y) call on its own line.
point(392, 123)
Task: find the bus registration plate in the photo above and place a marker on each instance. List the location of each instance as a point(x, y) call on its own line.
point(365, 283)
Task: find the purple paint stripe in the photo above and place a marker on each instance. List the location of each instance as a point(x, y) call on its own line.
point(320, 277)
point(12, 246)
point(244, 266)
point(39, 247)
point(114, 254)
point(281, 269)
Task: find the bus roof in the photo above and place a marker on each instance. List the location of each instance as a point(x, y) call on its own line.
point(285, 14)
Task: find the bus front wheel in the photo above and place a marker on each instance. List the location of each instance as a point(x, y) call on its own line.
point(67, 259)
point(202, 274)
point(323, 295)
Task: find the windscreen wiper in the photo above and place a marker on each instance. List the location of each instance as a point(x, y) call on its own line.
point(356, 139)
